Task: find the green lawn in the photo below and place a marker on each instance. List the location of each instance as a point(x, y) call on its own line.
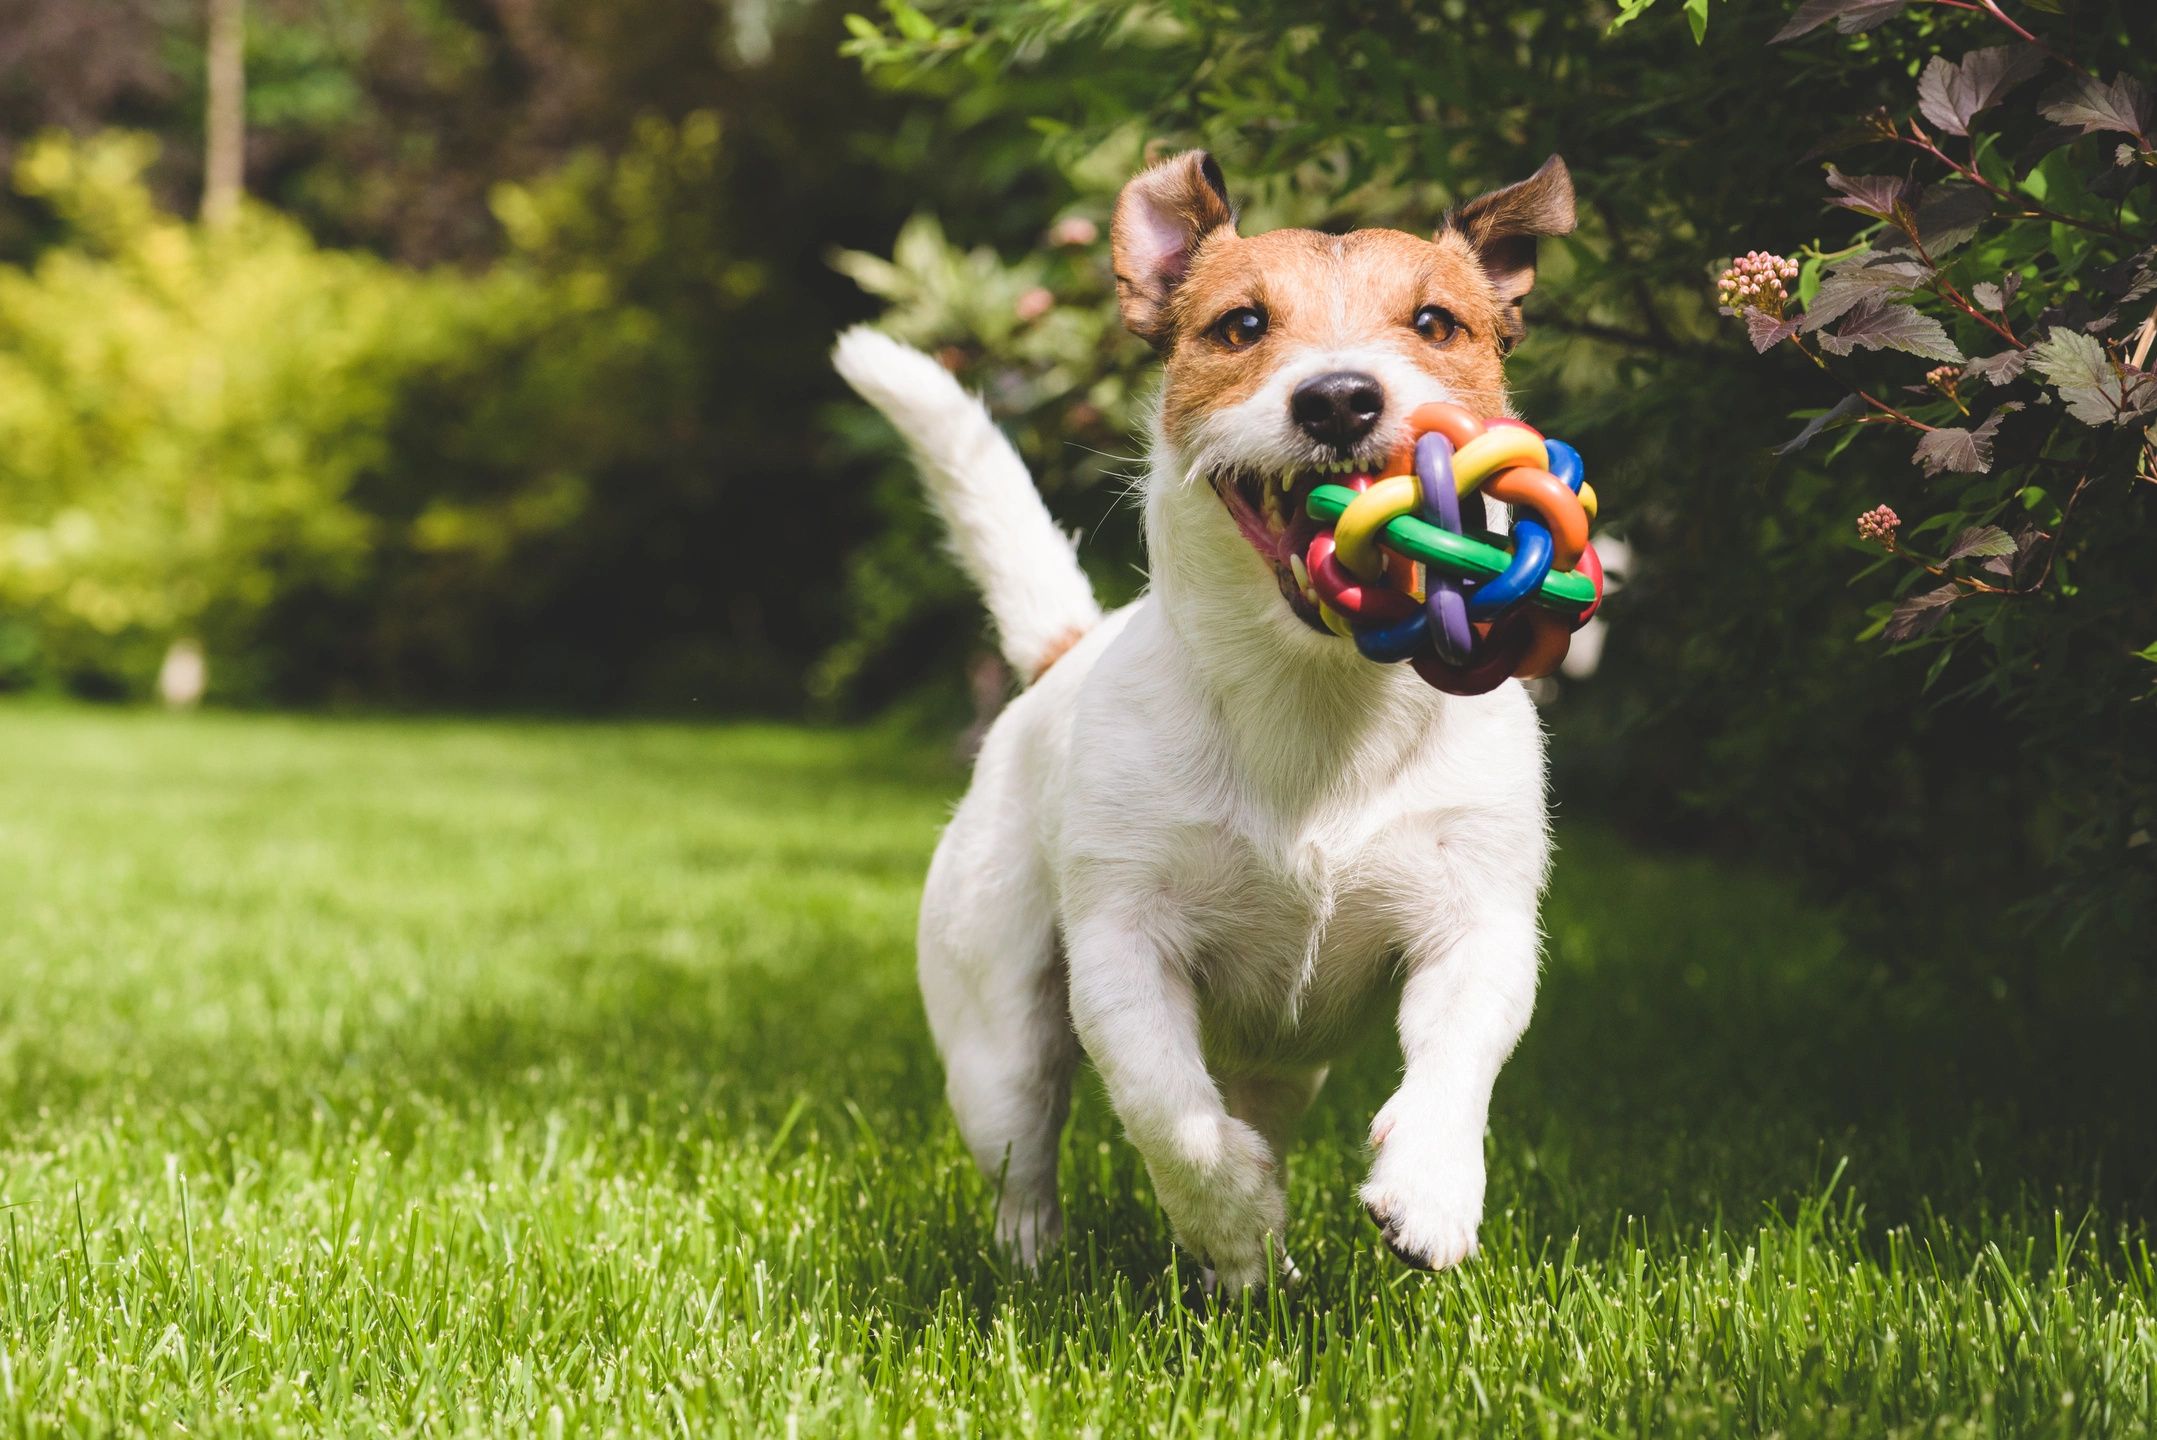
point(492, 1078)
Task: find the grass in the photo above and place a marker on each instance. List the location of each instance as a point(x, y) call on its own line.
point(491, 1078)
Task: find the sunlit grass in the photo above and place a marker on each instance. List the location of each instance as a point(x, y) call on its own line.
point(491, 1078)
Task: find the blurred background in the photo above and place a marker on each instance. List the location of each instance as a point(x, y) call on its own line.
point(469, 355)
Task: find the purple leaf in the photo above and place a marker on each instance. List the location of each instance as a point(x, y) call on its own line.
point(1890, 327)
point(1769, 332)
point(1950, 449)
point(1918, 613)
point(1850, 16)
point(1981, 541)
point(1944, 216)
point(1950, 94)
point(1998, 369)
point(1874, 195)
point(1871, 276)
point(2094, 105)
point(1987, 294)
point(1843, 409)
point(2143, 269)
point(1966, 452)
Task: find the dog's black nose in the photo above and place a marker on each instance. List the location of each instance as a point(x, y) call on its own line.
point(1337, 409)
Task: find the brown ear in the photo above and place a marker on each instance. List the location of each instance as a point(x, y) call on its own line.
point(1503, 226)
point(1161, 216)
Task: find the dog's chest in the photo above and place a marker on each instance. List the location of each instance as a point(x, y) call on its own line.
point(1293, 940)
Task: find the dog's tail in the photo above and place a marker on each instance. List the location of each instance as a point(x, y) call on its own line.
point(993, 517)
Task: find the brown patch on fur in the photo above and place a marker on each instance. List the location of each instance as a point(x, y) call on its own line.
point(1057, 649)
point(1360, 290)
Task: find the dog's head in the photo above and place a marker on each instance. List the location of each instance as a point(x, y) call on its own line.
point(1295, 356)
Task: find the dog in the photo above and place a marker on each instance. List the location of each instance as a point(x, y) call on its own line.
point(1209, 841)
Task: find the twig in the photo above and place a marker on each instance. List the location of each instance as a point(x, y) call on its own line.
point(1982, 587)
point(1992, 8)
point(2143, 337)
point(1887, 411)
point(1945, 288)
point(2059, 536)
point(1971, 173)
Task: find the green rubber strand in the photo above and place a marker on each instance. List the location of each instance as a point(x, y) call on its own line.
point(1566, 591)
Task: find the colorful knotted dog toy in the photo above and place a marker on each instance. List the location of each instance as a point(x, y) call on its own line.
point(1466, 613)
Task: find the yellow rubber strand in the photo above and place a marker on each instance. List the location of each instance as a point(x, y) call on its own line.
point(1492, 451)
point(1355, 534)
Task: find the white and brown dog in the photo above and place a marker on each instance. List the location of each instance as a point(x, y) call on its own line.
point(1210, 839)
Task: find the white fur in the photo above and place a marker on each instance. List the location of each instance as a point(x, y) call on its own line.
point(998, 527)
point(1206, 848)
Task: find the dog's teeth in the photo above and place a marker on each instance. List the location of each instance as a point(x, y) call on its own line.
point(1302, 572)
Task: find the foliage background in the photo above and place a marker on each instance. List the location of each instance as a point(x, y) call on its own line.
point(508, 388)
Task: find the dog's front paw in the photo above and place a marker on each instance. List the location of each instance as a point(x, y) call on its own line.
point(1425, 1190)
point(1224, 1199)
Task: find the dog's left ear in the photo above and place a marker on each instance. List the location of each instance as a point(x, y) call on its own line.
point(1161, 216)
point(1503, 227)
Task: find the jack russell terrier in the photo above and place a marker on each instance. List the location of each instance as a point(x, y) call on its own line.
point(1210, 839)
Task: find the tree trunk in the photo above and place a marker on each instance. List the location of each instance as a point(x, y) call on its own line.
point(224, 169)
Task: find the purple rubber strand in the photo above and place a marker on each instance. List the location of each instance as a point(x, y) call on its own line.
point(1451, 635)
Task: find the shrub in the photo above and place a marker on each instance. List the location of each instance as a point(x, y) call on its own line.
point(202, 429)
point(1733, 706)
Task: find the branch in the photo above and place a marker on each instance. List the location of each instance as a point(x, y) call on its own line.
point(1619, 335)
point(1642, 295)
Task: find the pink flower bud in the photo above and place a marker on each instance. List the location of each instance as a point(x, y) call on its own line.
point(1075, 230)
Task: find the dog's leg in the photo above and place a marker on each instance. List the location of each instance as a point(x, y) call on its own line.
point(995, 998)
point(1273, 1104)
point(1462, 1010)
point(1214, 1174)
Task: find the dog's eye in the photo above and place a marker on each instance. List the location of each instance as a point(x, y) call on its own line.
point(1240, 327)
point(1436, 324)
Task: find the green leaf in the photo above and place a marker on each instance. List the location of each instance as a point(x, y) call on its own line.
point(1981, 541)
point(1696, 15)
point(2093, 389)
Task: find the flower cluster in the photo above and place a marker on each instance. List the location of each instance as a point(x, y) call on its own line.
point(1944, 378)
point(1878, 525)
point(1756, 281)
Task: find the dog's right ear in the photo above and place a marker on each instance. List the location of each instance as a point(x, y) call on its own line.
point(1161, 216)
